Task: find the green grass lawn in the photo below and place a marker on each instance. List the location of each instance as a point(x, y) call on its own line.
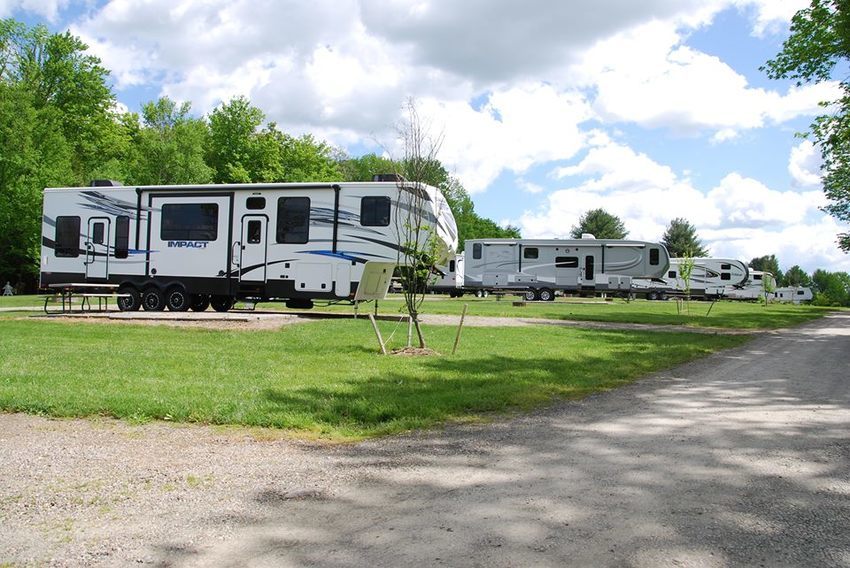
point(725, 314)
point(321, 378)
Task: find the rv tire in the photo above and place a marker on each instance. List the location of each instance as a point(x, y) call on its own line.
point(222, 303)
point(546, 295)
point(132, 302)
point(530, 294)
point(199, 302)
point(153, 300)
point(176, 299)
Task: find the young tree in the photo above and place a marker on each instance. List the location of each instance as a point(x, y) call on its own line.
point(600, 224)
point(417, 242)
point(681, 240)
point(818, 48)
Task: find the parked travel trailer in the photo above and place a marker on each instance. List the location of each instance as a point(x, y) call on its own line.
point(192, 245)
point(793, 294)
point(538, 267)
point(710, 278)
point(449, 278)
point(754, 288)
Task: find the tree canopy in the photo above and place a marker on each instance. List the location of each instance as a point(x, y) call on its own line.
point(600, 224)
point(769, 263)
point(681, 239)
point(819, 43)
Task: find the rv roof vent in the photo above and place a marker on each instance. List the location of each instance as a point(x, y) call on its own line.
point(587, 236)
point(105, 183)
point(387, 177)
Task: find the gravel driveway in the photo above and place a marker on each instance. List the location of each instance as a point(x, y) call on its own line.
point(742, 458)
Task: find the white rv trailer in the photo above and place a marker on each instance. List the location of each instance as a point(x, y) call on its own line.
point(754, 288)
point(450, 278)
point(710, 278)
point(192, 245)
point(539, 267)
point(793, 294)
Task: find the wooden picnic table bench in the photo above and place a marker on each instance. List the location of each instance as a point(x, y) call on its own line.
point(85, 291)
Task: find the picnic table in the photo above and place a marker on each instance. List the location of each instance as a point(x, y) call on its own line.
point(85, 291)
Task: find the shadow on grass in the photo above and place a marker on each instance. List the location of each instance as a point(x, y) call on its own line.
point(446, 388)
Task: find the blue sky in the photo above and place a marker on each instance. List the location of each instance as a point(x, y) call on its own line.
point(651, 110)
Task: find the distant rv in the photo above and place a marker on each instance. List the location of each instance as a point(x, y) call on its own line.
point(793, 294)
point(755, 288)
point(190, 246)
point(539, 267)
point(710, 278)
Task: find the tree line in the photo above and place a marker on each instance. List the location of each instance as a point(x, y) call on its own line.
point(681, 240)
point(60, 125)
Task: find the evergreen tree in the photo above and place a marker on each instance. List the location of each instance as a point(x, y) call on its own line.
point(769, 263)
point(796, 276)
point(600, 224)
point(681, 240)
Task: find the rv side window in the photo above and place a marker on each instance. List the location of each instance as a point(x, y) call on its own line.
point(451, 266)
point(189, 222)
point(725, 267)
point(653, 257)
point(255, 232)
point(255, 203)
point(671, 274)
point(756, 276)
point(122, 236)
point(293, 220)
point(801, 293)
point(97, 233)
point(67, 237)
point(375, 211)
point(476, 251)
point(725, 276)
point(529, 252)
point(566, 262)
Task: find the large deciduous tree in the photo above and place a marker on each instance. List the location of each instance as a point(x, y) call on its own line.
point(600, 224)
point(681, 239)
point(819, 43)
point(57, 127)
point(169, 148)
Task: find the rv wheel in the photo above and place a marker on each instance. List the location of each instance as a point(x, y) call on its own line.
point(153, 300)
point(177, 299)
point(131, 301)
point(546, 295)
point(199, 302)
point(222, 303)
point(530, 294)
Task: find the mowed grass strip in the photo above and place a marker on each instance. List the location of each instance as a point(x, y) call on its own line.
point(322, 378)
point(724, 314)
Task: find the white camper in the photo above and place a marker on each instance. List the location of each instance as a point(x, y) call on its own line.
point(710, 278)
point(449, 278)
point(539, 267)
point(793, 294)
point(192, 245)
point(755, 288)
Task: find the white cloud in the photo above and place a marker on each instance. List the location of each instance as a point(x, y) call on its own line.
point(740, 217)
point(773, 15)
point(648, 76)
point(804, 165)
point(514, 130)
point(48, 9)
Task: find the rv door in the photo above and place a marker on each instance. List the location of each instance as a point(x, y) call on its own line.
point(253, 248)
point(97, 248)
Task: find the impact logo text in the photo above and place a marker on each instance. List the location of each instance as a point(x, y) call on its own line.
point(188, 244)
